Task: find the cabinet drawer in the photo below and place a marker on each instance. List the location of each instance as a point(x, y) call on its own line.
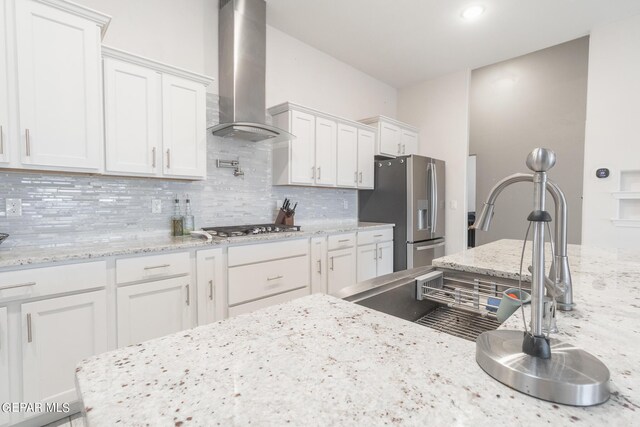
point(254, 281)
point(266, 302)
point(339, 241)
point(374, 236)
point(37, 282)
point(152, 267)
point(249, 254)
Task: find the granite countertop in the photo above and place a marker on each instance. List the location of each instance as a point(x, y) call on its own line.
point(19, 256)
point(319, 360)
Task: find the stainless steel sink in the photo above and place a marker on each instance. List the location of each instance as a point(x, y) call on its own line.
point(395, 294)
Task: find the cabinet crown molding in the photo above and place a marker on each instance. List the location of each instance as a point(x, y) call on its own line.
point(101, 19)
point(375, 119)
point(111, 52)
point(286, 106)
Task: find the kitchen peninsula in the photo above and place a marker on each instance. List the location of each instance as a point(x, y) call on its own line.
point(320, 360)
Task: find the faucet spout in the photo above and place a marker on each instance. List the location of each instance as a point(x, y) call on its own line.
point(560, 272)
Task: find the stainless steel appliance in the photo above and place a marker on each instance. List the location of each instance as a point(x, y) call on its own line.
point(250, 229)
point(409, 192)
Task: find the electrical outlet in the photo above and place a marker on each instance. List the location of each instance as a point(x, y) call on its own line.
point(156, 206)
point(14, 207)
point(345, 204)
point(453, 204)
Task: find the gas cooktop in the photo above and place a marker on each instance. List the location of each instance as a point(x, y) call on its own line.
point(247, 230)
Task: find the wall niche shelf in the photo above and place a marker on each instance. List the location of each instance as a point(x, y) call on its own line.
point(628, 199)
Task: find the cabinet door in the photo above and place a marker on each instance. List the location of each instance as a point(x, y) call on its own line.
point(367, 260)
point(303, 148)
point(319, 265)
point(342, 269)
point(132, 117)
point(390, 139)
point(59, 85)
point(409, 142)
point(151, 310)
point(385, 258)
point(184, 133)
point(58, 334)
point(4, 94)
point(347, 156)
point(366, 155)
point(326, 137)
point(4, 365)
point(212, 290)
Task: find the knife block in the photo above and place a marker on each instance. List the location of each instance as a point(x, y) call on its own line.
point(284, 219)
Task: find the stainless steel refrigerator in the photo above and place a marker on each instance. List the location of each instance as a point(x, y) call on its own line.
point(409, 192)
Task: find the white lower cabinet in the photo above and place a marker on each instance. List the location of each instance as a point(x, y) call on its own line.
point(319, 265)
point(57, 334)
point(367, 262)
point(212, 286)
point(5, 417)
point(154, 309)
point(342, 269)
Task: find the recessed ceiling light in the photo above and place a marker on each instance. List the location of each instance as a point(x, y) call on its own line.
point(472, 12)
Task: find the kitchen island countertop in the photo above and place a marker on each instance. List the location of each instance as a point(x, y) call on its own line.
point(319, 360)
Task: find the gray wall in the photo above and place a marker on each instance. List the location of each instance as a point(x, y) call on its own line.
point(536, 100)
point(65, 209)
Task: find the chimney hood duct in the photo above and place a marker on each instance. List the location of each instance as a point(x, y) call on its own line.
point(242, 34)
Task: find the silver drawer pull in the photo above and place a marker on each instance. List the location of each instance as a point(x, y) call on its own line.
point(188, 295)
point(29, 334)
point(344, 240)
point(331, 263)
point(378, 235)
point(319, 266)
point(153, 157)
point(274, 278)
point(21, 285)
point(153, 267)
point(319, 172)
point(27, 138)
point(211, 290)
point(360, 177)
point(168, 158)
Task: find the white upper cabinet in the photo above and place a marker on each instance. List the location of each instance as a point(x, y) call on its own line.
point(184, 126)
point(326, 135)
point(302, 125)
point(347, 156)
point(59, 85)
point(132, 117)
point(155, 118)
point(366, 155)
point(325, 150)
point(4, 88)
point(394, 138)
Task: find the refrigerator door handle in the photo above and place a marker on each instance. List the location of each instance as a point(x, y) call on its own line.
point(434, 196)
point(424, 248)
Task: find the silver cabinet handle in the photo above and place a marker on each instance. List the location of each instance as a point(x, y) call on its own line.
point(355, 177)
point(380, 253)
point(343, 240)
point(319, 266)
point(29, 333)
point(375, 255)
point(168, 158)
point(27, 138)
point(319, 171)
point(331, 263)
point(313, 172)
point(424, 248)
point(21, 285)
point(399, 146)
point(360, 178)
point(153, 267)
point(1, 140)
point(274, 278)
point(378, 235)
point(153, 157)
point(211, 290)
point(403, 148)
point(188, 295)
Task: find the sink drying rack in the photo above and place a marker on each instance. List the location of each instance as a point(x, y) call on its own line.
point(471, 295)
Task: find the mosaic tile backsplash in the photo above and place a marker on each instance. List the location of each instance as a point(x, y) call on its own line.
point(66, 209)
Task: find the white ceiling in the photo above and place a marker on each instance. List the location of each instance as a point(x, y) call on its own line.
point(403, 42)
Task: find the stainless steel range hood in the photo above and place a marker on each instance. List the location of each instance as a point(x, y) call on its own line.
point(242, 34)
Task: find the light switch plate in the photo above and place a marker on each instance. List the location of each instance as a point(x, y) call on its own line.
point(346, 204)
point(156, 206)
point(14, 207)
point(453, 204)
